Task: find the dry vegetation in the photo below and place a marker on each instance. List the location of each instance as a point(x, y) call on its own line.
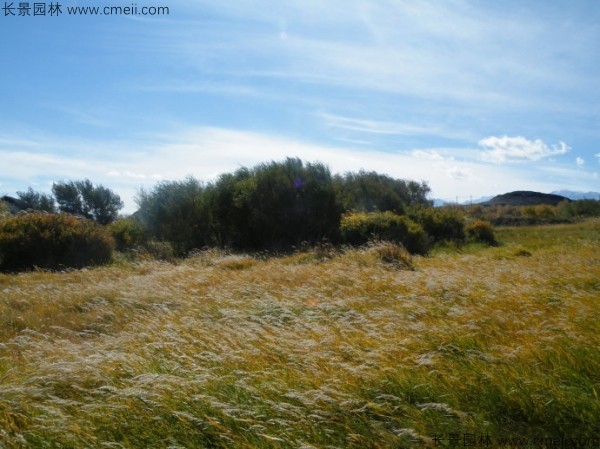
point(313, 350)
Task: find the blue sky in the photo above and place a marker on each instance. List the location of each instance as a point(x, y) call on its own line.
point(475, 97)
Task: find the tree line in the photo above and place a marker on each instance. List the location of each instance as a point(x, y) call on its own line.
point(272, 206)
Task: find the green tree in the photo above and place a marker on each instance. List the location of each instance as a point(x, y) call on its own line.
point(372, 192)
point(36, 201)
point(274, 205)
point(88, 200)
point(173, 211)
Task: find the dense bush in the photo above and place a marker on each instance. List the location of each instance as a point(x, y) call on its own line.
point(273, 206)
point(539, 212)
point(508, 215)
point(52, 241)
point(173, 211)
point(581, 208)
point(441, 224)
point(128, 233)
point(158, 250)
point(374, 192)
point(481, 231)
point(361, 227)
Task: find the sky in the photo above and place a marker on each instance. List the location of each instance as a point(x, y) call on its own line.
point(476, 98)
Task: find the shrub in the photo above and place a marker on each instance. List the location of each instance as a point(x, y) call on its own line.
point(481, 231)
point(539, 212)
point(441, 224)
point(374, 192)
point(392, 254)
point(128, 233)
point(159, 250)
point(580, 208)
point(360, 227)
point(52, 241)
point(173, 211)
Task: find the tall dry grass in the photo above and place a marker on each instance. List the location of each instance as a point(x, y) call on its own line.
point(303, 351)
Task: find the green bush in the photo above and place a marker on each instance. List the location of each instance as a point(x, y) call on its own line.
point(580, 208)
point(52, 241)
point(441, 224)
point(128, 233)
point(173, 211)
point(481, 231)
point(374, 192)
point(273, 206)
point(361, 227)
point(159, 250)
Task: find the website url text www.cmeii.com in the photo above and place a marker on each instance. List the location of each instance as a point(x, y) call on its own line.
point(53, 9)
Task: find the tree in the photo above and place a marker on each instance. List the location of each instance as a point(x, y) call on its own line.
point(372, 192)
point(274, 206)
point(173, 211)
point(36, 201)
point(83, 198)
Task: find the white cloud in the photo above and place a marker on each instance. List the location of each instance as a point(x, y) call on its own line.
point(459, 173)
point(432, 155)
point(598, 156)
point(518, 149)
point(580, 161)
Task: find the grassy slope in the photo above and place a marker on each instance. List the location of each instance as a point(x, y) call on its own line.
point(223, 351)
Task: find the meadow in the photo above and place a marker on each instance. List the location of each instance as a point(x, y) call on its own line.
point(473, 346)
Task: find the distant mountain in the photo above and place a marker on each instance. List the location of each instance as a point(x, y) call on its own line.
point(437, 202)
point(483, 199)
point(526, 198)
point(572, 195)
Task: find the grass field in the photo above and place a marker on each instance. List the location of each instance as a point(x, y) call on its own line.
point(471, 346)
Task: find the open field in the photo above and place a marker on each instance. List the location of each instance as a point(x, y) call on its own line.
point(346, 352)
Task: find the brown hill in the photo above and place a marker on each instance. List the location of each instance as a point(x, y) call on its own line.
point(526, 198)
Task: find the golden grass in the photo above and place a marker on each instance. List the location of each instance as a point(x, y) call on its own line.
point(301, 351)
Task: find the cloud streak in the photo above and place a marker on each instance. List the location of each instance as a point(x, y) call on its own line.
point(518, 149)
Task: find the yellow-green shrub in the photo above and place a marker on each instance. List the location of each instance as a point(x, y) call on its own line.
point(52, 241)
point(481, 231)
point(360, 227)
point(128, 233)
point(441, 224)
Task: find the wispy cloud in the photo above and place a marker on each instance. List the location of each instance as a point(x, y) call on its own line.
point(374, 126)
point(518, 149)
point(455, 51)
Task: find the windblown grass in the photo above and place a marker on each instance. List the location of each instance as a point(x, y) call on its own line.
point(346, 351)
